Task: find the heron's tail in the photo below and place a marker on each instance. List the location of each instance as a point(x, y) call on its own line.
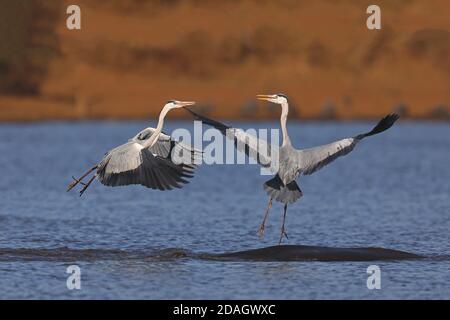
point(280, 192)
point(381, 126)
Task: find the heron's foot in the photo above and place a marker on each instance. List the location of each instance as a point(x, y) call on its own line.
point(83, 190)
point(71, 186)
point(78, 181)
point(74, 183)
point(283, 234)
point(86, 185)
point(261, 230)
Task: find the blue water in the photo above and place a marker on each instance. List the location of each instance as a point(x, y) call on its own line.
point(392, 191)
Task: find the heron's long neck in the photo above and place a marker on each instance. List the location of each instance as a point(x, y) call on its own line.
point(283, 120)
point(154, 137)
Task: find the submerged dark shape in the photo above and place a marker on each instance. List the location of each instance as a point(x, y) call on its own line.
point(317, 253)
point(149, 255)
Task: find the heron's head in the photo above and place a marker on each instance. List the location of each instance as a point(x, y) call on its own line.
point(275, 98)
point(174, 104)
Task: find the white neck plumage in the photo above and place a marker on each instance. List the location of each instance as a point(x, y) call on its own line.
point(154, 137)
point(283, 120)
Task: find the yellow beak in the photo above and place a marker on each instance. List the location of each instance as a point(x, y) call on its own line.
point(186, 103)
point(266, 97)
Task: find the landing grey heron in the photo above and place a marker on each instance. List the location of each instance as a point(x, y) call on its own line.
point(292, 162)
point(146, 159)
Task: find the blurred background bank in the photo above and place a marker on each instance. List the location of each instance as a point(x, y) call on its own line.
point(132, 55)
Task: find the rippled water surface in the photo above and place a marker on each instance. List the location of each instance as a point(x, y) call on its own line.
point(393, 191)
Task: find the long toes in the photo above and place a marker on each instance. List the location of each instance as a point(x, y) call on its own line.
point(261, 231)
point(75, 180)
point(283, 234)
point(70, 186)
point(73, 183)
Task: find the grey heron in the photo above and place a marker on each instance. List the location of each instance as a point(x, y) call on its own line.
point(146, 159)
point(291, 162)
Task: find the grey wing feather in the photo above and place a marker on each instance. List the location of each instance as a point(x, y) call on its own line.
point(125, 157)
point(131, 164)
point(255, 148)
point(313, 159)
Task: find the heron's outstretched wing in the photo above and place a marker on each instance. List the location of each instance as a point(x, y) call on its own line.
point(130, 163)
point(255, 148)
point(313, 159)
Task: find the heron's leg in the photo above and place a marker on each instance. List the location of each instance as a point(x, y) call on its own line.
point(87, 185)
point(77, 181)
point(283, 230)
point(263, 224)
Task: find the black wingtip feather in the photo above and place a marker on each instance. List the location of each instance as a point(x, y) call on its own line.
point(384, 124)
point(216, 124)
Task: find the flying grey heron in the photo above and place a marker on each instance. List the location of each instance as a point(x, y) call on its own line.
point(292, 162)
point(146, 159)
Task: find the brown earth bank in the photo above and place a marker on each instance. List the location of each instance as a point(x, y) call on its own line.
point(132, 56)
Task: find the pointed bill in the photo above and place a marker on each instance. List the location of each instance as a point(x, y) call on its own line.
point(266, 97)
point(186, 103)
